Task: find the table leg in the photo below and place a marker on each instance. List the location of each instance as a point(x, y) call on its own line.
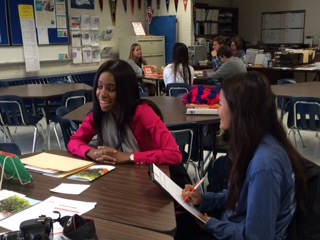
point(157, 88)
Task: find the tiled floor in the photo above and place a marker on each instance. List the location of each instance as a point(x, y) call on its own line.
point(23, 137)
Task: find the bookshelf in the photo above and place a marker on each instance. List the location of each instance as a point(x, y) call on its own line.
point(211, 21)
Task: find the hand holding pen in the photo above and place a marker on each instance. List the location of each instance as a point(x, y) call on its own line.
point(191, 190)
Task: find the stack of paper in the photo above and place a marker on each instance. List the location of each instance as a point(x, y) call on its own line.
point(54, 165)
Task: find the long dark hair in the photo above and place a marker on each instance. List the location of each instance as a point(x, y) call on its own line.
point(127, 97)
point(180, 56)
point(252, 106)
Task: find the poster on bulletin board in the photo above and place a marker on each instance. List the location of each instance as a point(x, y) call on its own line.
point(50, 21)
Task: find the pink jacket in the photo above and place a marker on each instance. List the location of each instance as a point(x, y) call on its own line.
point(155, 141)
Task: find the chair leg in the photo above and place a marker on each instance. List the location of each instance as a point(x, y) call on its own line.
point(56, 133)
point(43, 136)
point(301, 138)
point(35, 132)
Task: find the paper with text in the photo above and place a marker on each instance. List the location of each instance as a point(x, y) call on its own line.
point(173, 189)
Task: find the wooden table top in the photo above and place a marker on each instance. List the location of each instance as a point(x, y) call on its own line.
point(174, 112)
point(125, 195)
point(43, 91)
point(106, 229)
point(304, 89)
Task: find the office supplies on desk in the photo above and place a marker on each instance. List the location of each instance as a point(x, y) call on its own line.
point(91, 173)
point(67, 188)
point(12, 167)
point(56, 162)
point(46, 207)
point(163, 181)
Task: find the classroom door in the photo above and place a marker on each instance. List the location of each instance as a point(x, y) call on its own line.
point(169, 31)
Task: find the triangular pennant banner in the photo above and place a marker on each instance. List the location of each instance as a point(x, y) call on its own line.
point(167, 4)
point(132, 6)
point(101, 4)
point(149, 12)
point(176, 4)
point(185, 3)
point(125, 5)
point(113, 8)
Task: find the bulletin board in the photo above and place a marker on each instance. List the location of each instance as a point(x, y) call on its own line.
point(283, 27)
point(4, 33)
point(55, 34)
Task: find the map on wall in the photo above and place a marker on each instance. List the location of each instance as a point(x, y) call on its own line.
point(82, 4)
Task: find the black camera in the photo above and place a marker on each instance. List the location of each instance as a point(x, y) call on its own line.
point(33, 229)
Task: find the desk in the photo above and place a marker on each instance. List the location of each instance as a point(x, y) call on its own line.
point(305, 89)
point(45, 92)
point(174, 112)
point(275, 73)
point(125, 195)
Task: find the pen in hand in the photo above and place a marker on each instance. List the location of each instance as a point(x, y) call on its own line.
point(186, 199)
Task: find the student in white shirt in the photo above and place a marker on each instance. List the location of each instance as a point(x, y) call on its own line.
point(179, 71)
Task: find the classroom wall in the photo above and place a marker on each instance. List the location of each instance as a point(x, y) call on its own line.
point(250, 12)
point(123, 27)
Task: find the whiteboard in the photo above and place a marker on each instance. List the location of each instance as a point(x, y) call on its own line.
point(293, 35)
point(14, 54)
point(271, 21)
point(271, 36)
point(283, 27)
point(294, 20)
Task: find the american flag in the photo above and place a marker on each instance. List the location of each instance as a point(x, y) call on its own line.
point(149, 12)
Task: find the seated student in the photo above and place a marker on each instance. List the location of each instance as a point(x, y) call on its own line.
point(137, 61)
point(267, 179)
point(179, 71)
point(128, 128)
point(218, 42)
point(236, 45)
point(231, 65)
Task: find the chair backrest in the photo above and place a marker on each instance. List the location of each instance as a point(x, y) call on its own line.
point(4, 84)
point(13, 111)
point(60, 80)
point(177, 89)
point(74, 99)
point(10, 148)
point(142, 88)
point(304, 113)
point(286, 81)
point(186, 136)
point(68, 128)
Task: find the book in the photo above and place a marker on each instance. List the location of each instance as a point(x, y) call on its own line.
point(202, 111)
point(194, 105)
point(12, 203)
point(91, 173)
point(163, 181)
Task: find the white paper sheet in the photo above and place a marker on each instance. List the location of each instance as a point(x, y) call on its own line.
point(66, 188)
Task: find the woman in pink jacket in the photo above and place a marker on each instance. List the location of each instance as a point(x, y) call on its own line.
point(128, 129)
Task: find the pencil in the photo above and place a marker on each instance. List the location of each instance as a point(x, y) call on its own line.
point(194, 188)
